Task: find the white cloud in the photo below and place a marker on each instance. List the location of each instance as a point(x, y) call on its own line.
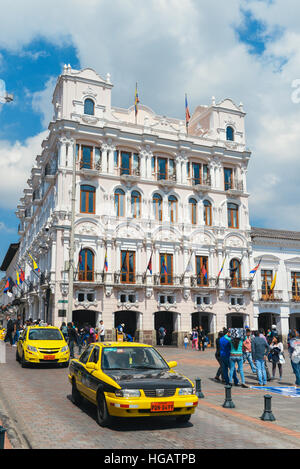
point(15, 168)
point(175, 46)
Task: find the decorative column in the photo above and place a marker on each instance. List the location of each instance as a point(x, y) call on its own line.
point(111, 159)
point(104, 158)
point(178, 170)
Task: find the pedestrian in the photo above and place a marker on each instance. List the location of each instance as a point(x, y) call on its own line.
point(263, 336)
point(10, 328)
point(294, 351)
point(162, 334)
point(225, 348)
point(277, 357)
point(186, 341)
point(236, 356)
point(247, 355)
point(260, 348)
point(64, 330)
point(18, 328)
point(194, 337)
point(72, 338)
point(217, 355)
point(101, 331)
point(92, 335)
point(201, 338)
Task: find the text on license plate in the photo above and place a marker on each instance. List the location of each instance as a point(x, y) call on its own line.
point(49, 357)
point(162, 406)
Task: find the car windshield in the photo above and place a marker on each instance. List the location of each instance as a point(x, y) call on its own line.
point(45, 334)
point(127, 358)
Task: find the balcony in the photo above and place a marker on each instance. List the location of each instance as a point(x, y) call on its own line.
point(272, 297)
point(90, 168)
point(202, 282)
point(201, 184)
point(165, 180)
point(294, 296)
point(132, 279)
point(129, 175)
point(242, 284)
point(234, 187)
point(167, 280)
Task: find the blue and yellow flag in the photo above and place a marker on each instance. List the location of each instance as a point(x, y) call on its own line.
point(35, 267)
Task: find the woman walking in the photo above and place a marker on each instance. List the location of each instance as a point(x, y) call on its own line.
point(236, 357)
point(277, 358)
point(194, 339)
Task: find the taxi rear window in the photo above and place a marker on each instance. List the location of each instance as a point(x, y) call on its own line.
point(45, 334)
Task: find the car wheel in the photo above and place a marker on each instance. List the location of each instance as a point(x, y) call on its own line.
point(103, 417)
point(65, 364)
point(76, 396)
point(23, 361)
point(183, 418)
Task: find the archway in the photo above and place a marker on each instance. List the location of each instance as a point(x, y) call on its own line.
point(84, 316)
point(235, 321)
point(266, 320)
point(201, 319)
point(166, 320)
point(129, 319)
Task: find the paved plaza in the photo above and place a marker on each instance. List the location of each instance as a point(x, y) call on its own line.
point(37, 411)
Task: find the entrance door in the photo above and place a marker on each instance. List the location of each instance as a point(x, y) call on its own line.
point(265, 321)
point(129, 319)
point(164, 319)
point(200, 319)
point(84, 317)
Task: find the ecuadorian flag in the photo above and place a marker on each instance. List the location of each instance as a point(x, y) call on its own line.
point(35, 267)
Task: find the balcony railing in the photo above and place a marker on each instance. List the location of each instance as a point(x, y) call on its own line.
point(167, 280)
point(244, 284)
point(234, 185)
point(129, 278)
point(202, 282)
point(274, 296)
point(201, 182)
point(294, 296)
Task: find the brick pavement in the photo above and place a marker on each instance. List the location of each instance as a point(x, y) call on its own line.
point(36, 408)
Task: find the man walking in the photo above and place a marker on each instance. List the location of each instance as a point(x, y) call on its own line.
point(260, 349)
point(225, 348)
point(247, 355)
point(72, 338)
point(10, 327)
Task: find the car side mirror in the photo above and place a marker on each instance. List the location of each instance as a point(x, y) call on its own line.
point(172, 364)
point(91, 366)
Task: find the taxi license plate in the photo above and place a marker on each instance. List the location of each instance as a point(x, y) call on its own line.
point(49, 357)
point(162, 406)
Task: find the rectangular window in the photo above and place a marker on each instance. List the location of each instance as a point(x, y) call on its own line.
point(87, 199)
point(166, 269)
point(228, 179)
point(202, 271)
point(162, 168)
point(266, 281)
point(127, 267)
point(86, 157)
point(295, 277)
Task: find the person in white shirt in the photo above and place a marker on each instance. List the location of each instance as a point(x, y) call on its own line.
point(276, 349)
point(101, 331)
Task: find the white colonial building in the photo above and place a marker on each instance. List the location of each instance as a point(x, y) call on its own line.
point(279, 252)
point(145, 189)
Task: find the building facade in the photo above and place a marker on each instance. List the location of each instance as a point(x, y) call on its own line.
point(148, 194)
point(278, 252)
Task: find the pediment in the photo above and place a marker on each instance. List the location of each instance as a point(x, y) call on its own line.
point(228, 103)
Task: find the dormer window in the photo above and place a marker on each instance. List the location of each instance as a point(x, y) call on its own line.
point(230, 133)
point(89, 107)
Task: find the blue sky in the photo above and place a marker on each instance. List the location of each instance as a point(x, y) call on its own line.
point(246, 50)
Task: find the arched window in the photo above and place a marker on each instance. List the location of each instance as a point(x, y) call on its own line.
point(86, 265)
point(135, 204)
point(157, 207)
point(193, 211)
point(172, 208)
point(87, 199)
point(119, 203)
point(207, 212)
point(89, 107)
point(230, 133)
point(235, 273)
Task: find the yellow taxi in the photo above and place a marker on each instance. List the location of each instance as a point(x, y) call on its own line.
point(125, 379)
point(42, 344)
point(2, 334)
